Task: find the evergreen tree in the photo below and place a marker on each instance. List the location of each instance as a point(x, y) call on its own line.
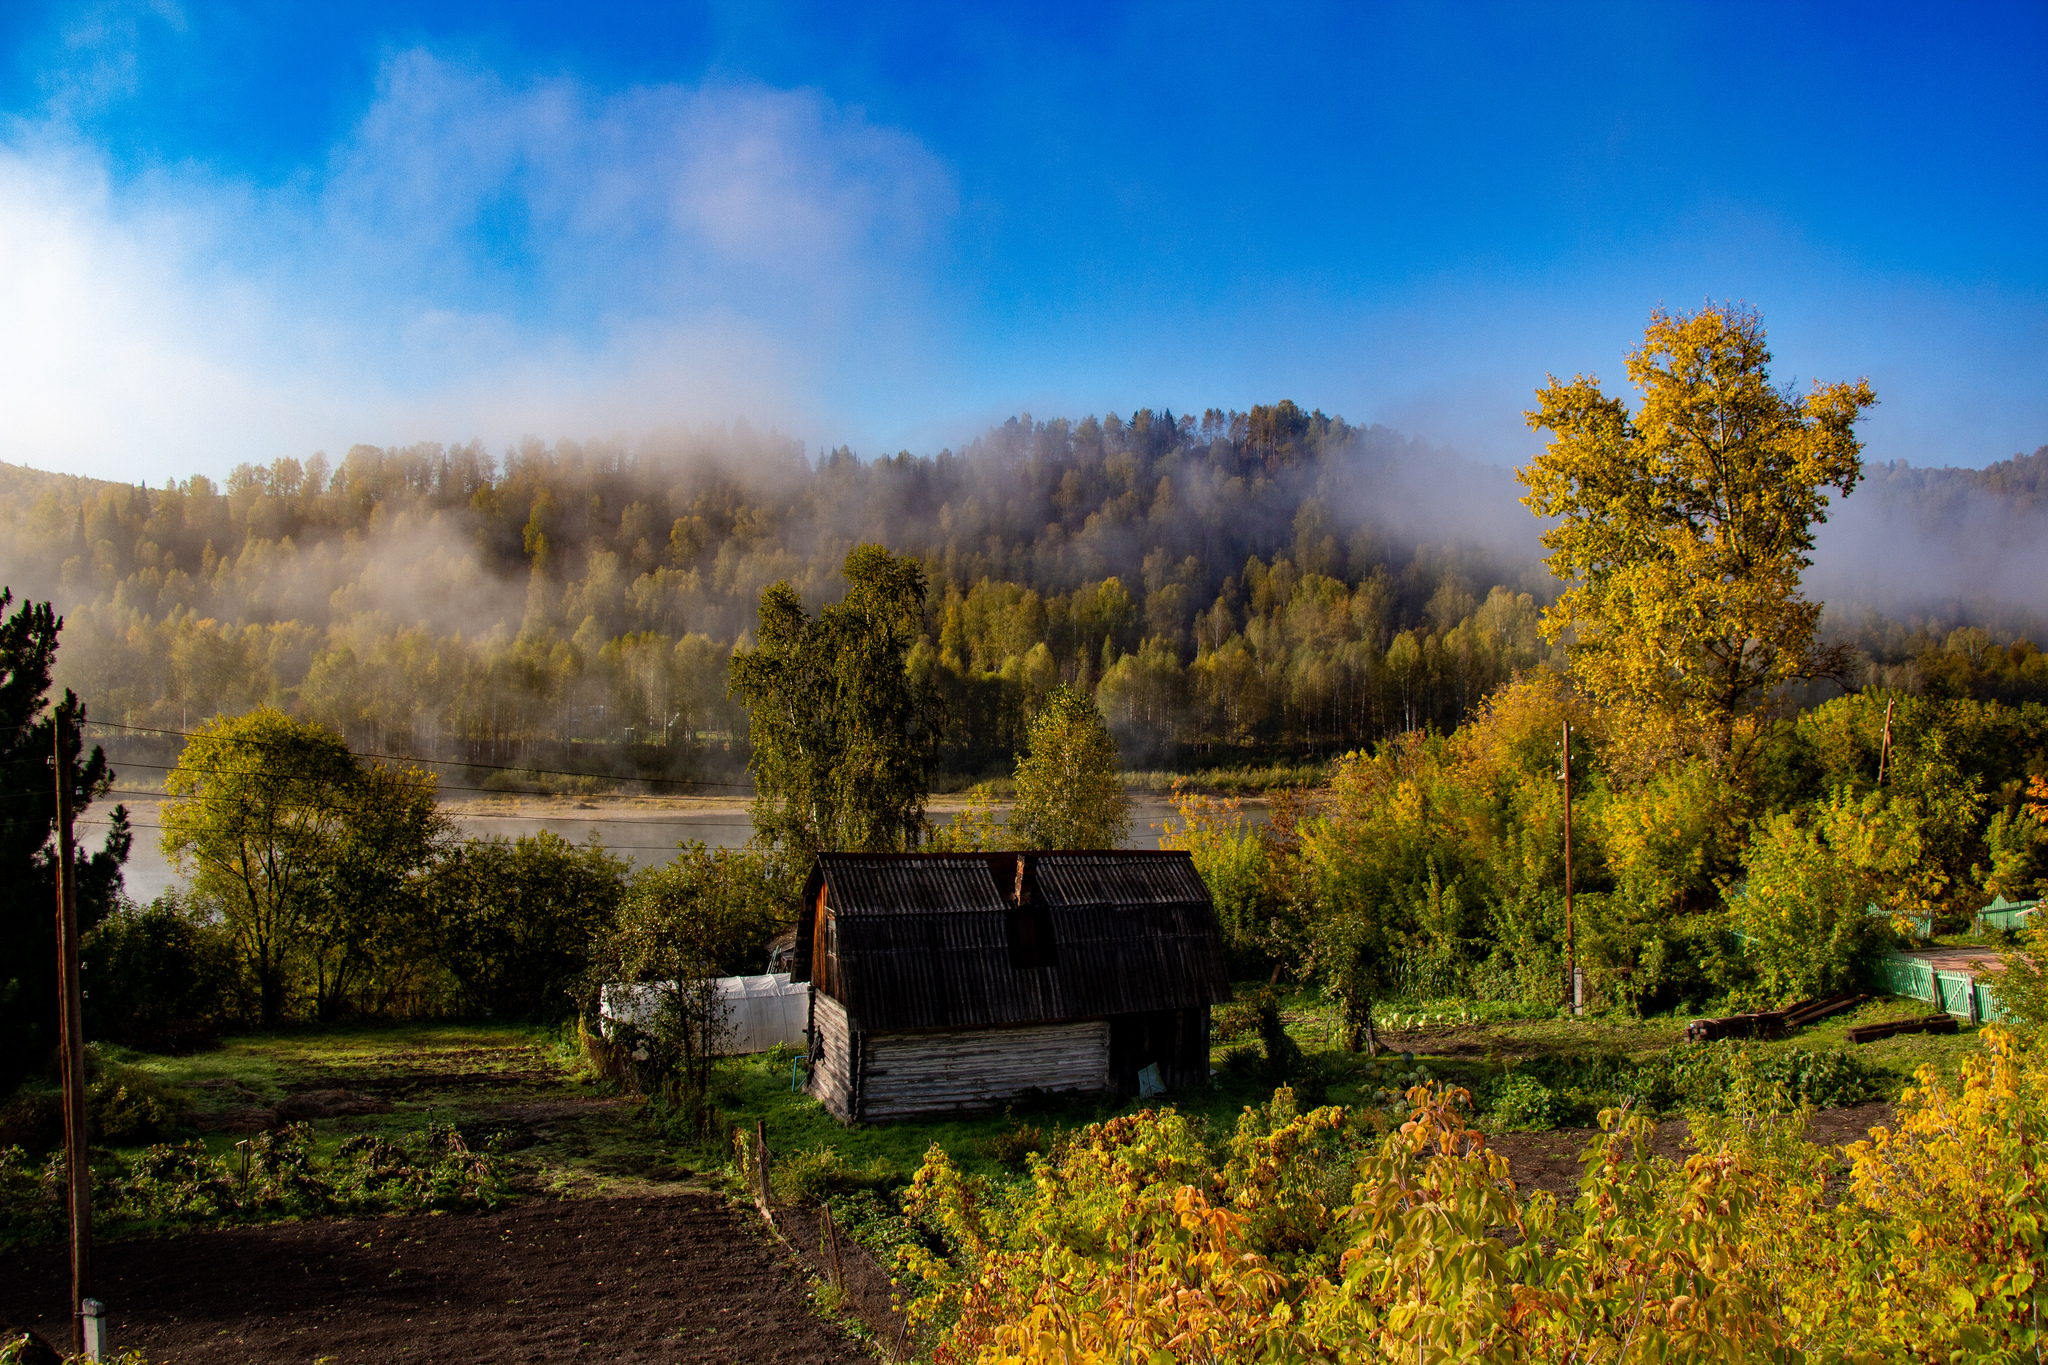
point(28, 822)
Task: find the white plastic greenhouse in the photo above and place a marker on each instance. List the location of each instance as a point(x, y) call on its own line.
point(761, 1011)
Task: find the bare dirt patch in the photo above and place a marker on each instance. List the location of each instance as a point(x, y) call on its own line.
point(304, 1105)
point(1550, 1161)
point(863, 1280)
point(418, 1073)
point(656, 1279)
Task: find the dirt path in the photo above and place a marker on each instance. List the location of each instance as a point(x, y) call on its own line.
point(675, 1278)
point(1550, 1161)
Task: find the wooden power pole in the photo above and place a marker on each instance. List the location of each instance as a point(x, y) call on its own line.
point(72, 1037)
point(1571, 938)
point(1884, 751)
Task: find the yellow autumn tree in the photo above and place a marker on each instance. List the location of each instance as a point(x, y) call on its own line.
point(1684, 525)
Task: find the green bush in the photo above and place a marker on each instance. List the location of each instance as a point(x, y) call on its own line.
point(180, 1183)
point(875, 1220)
point(1518, 1101)
point(1016, 1143)
point(1812, 876)
point(431, 1169)
point(33, 1118)
point(1283, 1054)
point(1244, 1062)
point(1704, 1077)
point(1690, 1078)
point(1238, 1018)
point(31, 1202)
point(809, 1177)
point(156, 973)
point(124, 1107)
point(513, 920)
point(1826, 1079)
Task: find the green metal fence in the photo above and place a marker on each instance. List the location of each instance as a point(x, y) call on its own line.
point(2005, 914)
point(1954, 993)
point(1922, 925)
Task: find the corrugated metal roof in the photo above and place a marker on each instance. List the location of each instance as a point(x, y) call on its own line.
point(925, 940)
point(1167, 878)
point(898, 886)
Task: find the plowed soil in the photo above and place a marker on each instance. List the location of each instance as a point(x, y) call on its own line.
point(662, 1278)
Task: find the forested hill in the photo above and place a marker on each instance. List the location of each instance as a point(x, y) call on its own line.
point(2019, 484)
point(1272, 580)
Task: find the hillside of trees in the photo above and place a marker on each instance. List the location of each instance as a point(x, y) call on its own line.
point(1232, 586)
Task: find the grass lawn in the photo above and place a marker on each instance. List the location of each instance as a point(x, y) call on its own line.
point(572, 1134)
point(1472, 1053)
point(1467, 1054)
point(758, 1089)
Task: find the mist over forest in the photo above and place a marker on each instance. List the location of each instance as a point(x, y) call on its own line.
point(1232, 587)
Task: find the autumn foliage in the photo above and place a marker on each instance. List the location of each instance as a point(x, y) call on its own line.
point(1319, 1236)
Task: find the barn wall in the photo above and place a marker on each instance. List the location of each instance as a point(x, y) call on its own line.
point(833, 1063)
point(906, 1074)
point(1177, 1040)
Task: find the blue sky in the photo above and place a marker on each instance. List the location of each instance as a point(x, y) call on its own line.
point(233, 231)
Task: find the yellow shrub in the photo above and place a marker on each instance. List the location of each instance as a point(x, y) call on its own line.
point(1129, 1246)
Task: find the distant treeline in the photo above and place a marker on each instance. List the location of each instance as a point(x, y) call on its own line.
point(1238, 584)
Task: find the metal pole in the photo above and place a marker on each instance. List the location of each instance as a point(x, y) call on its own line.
point(72, 1039)
point(1571, 938)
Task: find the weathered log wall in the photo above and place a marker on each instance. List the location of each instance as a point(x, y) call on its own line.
point(906, 1074)
point(832, 1057)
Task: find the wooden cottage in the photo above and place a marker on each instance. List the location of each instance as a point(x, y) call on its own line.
point(943, 983)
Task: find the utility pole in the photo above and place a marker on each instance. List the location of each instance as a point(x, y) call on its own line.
point(1571, 938)
point(1884, 751)
point(72, 1038)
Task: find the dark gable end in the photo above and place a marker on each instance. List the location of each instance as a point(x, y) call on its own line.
point(922, 944)
point(930, 941)
point(1135, 931)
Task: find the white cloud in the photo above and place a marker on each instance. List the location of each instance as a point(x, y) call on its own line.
point(475, 258)
point(97, 58)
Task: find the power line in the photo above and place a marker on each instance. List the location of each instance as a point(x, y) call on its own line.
point(449, 762)
point(655, 818)
point(649, 848)
point(438, 785)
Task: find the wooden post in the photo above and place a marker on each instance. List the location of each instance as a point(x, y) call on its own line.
point(829, 1240)
point(1884, 751)
point(761, 1195)
point(1571, 940)
point(71, 1037)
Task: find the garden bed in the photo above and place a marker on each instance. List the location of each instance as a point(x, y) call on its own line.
point(642, 1278)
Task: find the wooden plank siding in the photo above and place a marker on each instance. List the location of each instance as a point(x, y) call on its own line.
point(834, 1064)
point(967, 1071)
point(947, 983)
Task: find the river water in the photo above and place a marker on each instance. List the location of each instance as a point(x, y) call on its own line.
point(642, 834)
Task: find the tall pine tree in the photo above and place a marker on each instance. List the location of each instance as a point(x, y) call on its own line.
point(28, 822)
